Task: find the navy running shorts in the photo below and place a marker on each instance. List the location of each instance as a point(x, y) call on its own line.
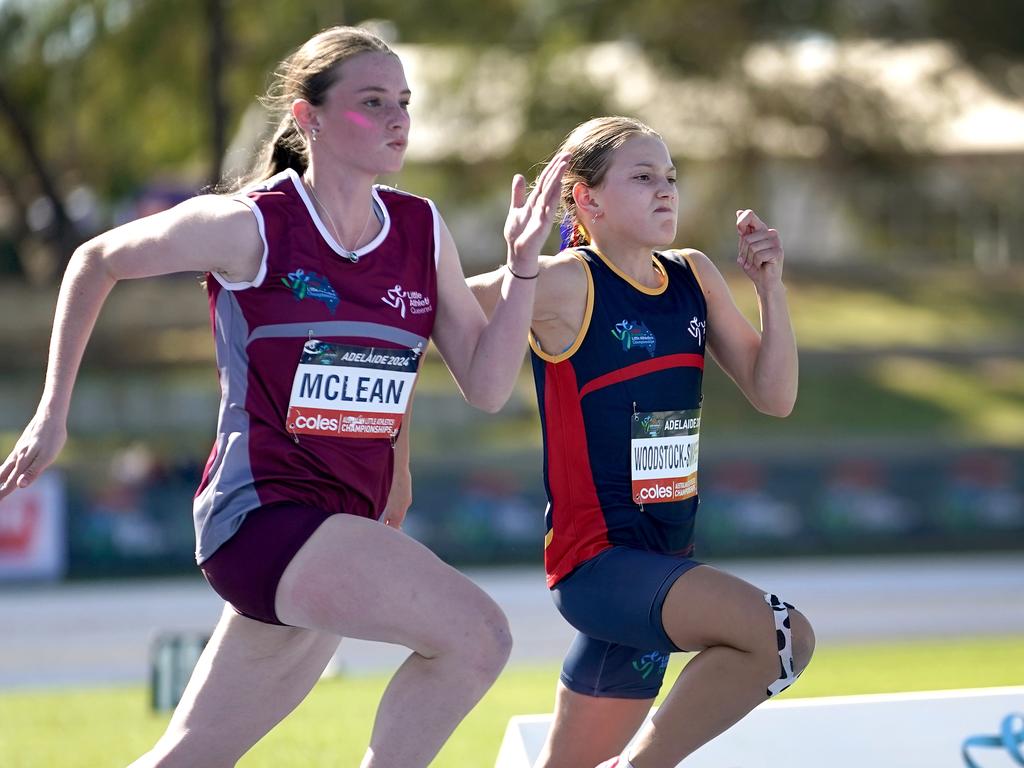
point(614, 600)
point(246, 569)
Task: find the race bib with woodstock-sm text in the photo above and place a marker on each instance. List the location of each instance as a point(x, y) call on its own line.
point(663, 455)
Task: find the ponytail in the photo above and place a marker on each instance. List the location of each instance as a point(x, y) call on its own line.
point(287, 149)
point(572, 233)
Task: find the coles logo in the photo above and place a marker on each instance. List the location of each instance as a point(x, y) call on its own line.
point(652, 492)
point(316, 422)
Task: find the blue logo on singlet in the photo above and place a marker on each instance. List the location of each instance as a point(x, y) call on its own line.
point(634, 334)
point(651, 662)
point(311, 285)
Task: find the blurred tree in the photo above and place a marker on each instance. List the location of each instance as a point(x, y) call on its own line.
point(20, 146)
point(121, 94)
point(217, 54)
point(988, 28)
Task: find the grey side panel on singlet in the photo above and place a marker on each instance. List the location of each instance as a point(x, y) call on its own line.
point(340, 328)
point(230, 493)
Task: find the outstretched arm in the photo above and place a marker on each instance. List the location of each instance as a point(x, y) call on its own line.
point(485, 355)
point(763, 365)
point(203, 234)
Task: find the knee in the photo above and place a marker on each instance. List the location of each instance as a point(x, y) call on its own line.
point(793, 646)
point(484, 642)
point(494, 640)
point(803, 640)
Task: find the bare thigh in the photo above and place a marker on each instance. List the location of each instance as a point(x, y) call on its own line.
point(707, 607)
point(587, 730)
point(358, 578)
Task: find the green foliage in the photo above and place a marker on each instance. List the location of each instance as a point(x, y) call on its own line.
point(116, 93)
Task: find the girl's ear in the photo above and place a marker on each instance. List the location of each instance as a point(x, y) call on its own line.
point(305, 115)
point(586, 206)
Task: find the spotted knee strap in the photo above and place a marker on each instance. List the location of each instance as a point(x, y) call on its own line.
point(784, 636)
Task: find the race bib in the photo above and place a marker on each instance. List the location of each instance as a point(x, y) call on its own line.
point(348, 391)
point(663, 454)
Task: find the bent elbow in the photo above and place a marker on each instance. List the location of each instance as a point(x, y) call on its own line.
point(488, 403)
point(488, 399)
point(778, 408)
point(91, 257)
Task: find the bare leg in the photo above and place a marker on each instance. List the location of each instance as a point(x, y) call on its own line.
point(589, 729)
point(249, 677)
point(357, 578)
point(363, 579)
point(728, 620)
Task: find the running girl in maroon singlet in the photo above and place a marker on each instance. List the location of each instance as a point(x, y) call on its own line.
point(324, 289)
point(318, 358)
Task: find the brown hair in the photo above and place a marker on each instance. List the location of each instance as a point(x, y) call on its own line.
point(306, 74)
point(591, 145)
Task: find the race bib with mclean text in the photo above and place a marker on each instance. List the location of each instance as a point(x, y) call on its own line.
point(349, 391)
point(663, 455)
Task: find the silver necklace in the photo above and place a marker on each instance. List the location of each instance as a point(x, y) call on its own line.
point(349, 254)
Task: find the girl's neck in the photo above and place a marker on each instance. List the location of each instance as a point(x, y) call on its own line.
point(345, 201)
point(340, 190)
point(631, 259)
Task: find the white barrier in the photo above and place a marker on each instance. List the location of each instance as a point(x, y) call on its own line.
point(904, 730)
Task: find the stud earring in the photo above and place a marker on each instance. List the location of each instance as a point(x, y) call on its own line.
point(315, 132)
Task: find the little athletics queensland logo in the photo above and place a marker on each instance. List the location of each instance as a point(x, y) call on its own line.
point(341, 390)
point(663, 455)
point(633, 333)
point(403, 300)
point(311, 285)
point(655, 661)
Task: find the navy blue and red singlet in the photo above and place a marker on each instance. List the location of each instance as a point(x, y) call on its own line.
point(620, 413)
point(640, 351)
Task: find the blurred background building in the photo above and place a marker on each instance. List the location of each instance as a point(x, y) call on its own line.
point(883, 138)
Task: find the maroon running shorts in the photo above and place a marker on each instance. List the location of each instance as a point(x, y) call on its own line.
point(246, 569)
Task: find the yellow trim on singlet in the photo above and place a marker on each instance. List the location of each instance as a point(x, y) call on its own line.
point(686, 254)
point(535, 344)
point(639, 286)
point(548, 537)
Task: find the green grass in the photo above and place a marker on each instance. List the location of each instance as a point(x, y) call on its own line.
point(111, 726)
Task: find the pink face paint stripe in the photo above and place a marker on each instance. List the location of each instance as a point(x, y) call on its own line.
point(358, 119)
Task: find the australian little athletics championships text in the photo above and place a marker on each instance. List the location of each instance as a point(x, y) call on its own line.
point(654, 457)
point(368, 425)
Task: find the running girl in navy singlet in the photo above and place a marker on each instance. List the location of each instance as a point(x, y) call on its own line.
point(324, 289)
point(619, 339)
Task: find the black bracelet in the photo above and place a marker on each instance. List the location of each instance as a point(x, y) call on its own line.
point(521, 277)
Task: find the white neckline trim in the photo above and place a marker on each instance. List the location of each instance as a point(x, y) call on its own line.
point(325, 232)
